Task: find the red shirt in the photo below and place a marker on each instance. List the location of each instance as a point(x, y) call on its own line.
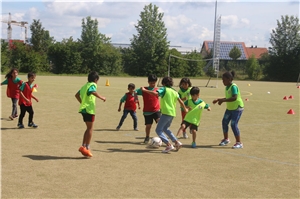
point(27, 92)
point(12, 90)
point(130, 103)
point(151, 102)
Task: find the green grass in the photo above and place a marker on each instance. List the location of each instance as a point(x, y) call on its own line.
point(45, 162)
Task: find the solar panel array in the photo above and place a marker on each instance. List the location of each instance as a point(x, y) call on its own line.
point(225, 48)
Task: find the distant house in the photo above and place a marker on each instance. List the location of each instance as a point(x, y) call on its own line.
point(181, 49)
point(226, 46)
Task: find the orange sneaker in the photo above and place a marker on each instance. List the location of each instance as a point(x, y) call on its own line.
point(83, 151)
point(89, 154)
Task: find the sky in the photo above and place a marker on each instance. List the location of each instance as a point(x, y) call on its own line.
point(188, 23)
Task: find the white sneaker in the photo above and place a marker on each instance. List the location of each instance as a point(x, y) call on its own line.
point(178, 145)
point(168, 148)
point(238, 145)
point(185, 135)
point(224, 142)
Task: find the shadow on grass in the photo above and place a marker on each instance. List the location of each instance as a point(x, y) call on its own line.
point(7, 119)
point(120, 142)
point(145, 150)
point(115, 130)
point(13, 128)
point(49, 157)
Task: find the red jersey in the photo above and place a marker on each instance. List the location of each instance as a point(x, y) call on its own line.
point(151, 102)
point(130, 103)
point(12, 90)
point(27, 92)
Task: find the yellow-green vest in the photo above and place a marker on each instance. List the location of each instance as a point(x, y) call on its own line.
point(194, 115)
point(235, 104)
point(88, 102)
point(168, 102)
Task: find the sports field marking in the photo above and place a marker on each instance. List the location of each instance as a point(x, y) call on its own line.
point(254, 157)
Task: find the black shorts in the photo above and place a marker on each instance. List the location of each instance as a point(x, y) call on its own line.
point(88, 117)
point(187, 124)
point(149, 118)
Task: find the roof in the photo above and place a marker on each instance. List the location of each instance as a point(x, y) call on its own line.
point(226, 46)
point(257, 52)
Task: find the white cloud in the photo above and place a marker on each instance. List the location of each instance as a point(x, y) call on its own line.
point(233, 21)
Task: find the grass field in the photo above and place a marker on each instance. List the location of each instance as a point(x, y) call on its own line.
point(45, 162)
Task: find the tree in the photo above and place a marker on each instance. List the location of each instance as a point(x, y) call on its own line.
point(253, 68)
point(40, 38)
point(91, 45)
point(285, 51)
point(150, 45)
point(234, 54)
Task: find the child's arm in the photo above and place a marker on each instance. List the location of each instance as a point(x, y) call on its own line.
point(77, 96)
point(36, 99)
point(99, 96)
point(136, 98)
point(150, 92)
point(22, 95)
point(182, 105)
point(119, 109)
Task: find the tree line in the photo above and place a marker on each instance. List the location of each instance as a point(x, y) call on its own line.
point(149, 52)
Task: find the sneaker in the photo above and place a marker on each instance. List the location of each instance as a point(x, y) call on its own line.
point(238, 145)
point(168, 148)
point(194, 145)
point(118, 128)
point(178, 145)
point(146, 140)
point(224, 142)
point(136, 129)
point(11, 117)
point(185, 135)
point(85, 152)
point(33, 125)
point(21, 126)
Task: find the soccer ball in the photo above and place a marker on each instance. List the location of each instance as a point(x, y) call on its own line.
point(155, 142)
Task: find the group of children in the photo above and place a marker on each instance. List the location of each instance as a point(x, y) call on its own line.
point(164, 110)
point(161, 111)
point(20, 91)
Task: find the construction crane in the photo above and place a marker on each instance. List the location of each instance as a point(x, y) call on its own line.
point(16, 23)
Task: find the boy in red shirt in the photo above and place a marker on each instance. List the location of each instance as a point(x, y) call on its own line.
point(131, 99)
point(151, 110)
point(25, 101)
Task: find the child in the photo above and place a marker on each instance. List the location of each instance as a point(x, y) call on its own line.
point(185, 86)
point(86, 96)
point(169, 96)
point(151, 110)
point(130, 98)
point(25, 101)
point(234, 110)
point(13, 83)
point(193, 117)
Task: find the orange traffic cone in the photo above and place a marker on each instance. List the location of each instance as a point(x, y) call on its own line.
point(285, 98)
point(291, 97)
point(291, 111)
point(107, 82)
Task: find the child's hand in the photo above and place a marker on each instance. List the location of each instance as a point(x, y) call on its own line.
point(215, 101)
point(104, 99)
point(119, 109)
point(36, 99)
point(220, 101)
point(208, 109)
point(139, 107)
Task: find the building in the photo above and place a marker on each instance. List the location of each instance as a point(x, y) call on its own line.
point(181, 49)
point(226, 46)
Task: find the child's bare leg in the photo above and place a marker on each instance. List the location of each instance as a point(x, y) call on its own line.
point(180, 130)
point(88, 134)
point(194, 135)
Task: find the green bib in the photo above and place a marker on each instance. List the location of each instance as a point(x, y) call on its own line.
point(168, 102)
point(88, 102)
point(235, 104)
point(194, 115)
